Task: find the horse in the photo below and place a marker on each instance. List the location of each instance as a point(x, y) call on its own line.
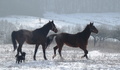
point(37, 37)
point(79, 39)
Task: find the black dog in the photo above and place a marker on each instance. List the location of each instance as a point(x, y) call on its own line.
point(20, 58)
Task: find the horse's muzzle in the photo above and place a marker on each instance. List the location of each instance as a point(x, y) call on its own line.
point(55, 30)
point(96, 31)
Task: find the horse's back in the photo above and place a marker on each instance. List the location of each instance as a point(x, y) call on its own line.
point(73, 40)
point(22, 34)
point(66, 36)
point(68, 39)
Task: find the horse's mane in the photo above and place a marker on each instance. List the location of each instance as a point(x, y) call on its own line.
point(46, 24)
point(86, 27)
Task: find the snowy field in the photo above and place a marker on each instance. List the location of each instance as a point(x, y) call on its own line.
point(68, 20)
point(110, 19)
point(72, 61)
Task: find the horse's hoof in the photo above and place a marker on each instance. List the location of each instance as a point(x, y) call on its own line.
point(87, 58)
point(53, 56)
point(62, 58)
point(34, 59)
point(45, 58)
point(82, 57)
point(16, 55)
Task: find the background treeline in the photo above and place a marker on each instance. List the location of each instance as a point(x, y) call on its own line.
point(111, 33)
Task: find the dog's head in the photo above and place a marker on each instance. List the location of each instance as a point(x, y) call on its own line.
point(23, 53)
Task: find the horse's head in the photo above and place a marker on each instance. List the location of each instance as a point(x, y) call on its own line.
point(53, 27)
point(93, 28)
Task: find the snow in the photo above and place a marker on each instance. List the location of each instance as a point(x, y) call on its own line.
point(72, 58)
point(24, 21)
point(110, 19)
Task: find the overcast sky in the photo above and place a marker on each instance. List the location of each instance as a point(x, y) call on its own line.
point(39, 7)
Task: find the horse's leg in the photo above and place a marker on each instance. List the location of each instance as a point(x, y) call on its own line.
point(85, 55)
point(19, 49)
point(36, 47)
point(44, 47)
point(59, 50)
point(17, 52)
point(55, 48)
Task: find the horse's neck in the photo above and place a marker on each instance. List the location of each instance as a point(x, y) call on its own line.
point(86, 33)
point(44, 30)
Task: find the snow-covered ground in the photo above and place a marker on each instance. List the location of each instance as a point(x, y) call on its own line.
point(72, 61)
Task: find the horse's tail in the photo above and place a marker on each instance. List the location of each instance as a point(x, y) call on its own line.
point(13, 35)
point(50, 39)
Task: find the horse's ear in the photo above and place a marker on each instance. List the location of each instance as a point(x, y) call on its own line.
point(49, 22)
point(91, 23)
point(52, 21)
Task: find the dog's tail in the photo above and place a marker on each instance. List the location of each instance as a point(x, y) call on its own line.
point(13, 36)
point(50, 39)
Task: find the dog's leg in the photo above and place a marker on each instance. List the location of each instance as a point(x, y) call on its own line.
point(18, 61)
point(21, 60)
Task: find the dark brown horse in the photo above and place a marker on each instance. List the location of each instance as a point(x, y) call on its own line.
point(37, 37)
point(74, 40)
